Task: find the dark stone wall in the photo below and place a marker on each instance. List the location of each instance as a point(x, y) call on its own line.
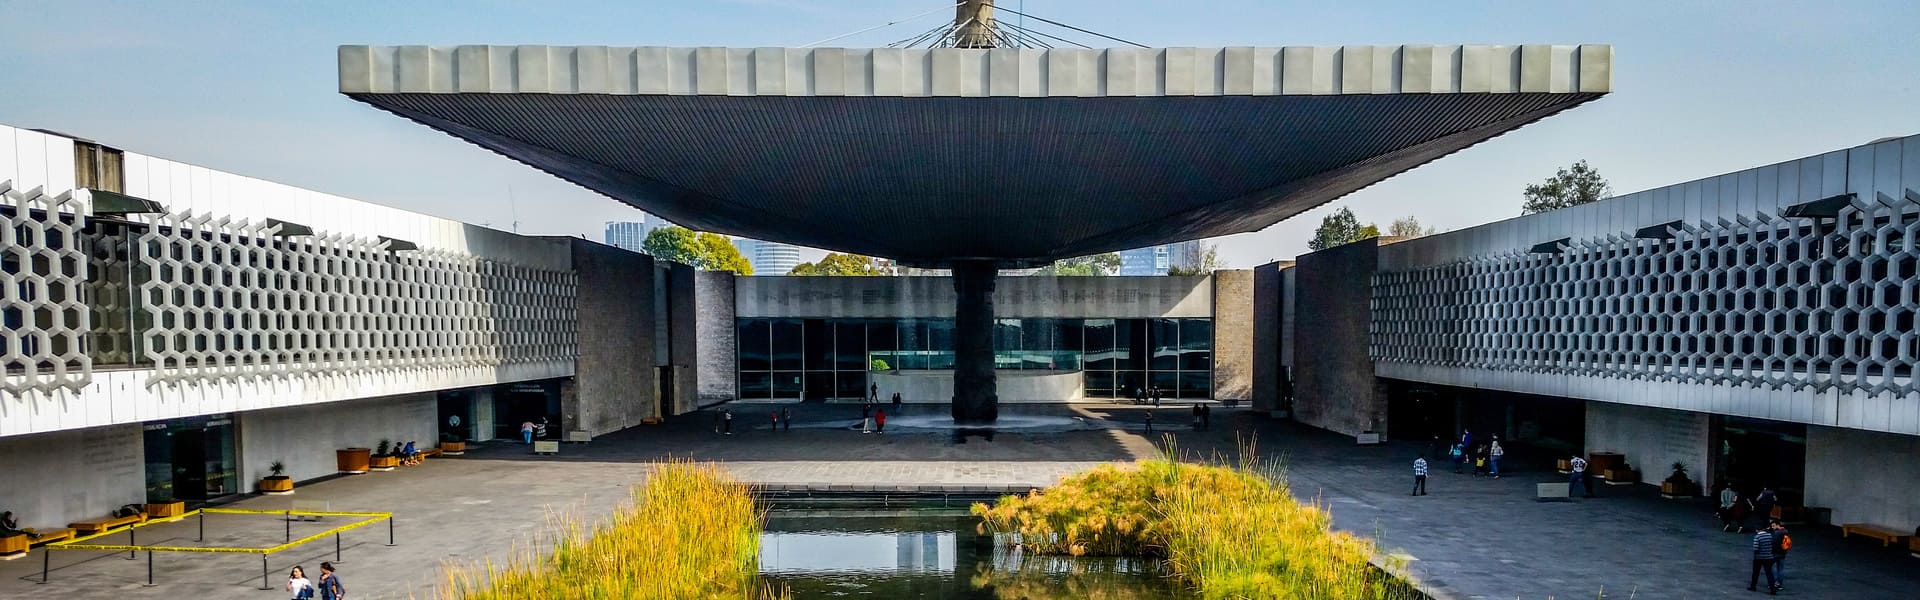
point(1233, 325)
point(1266, 336)
point(682, 332)
point(1333, 375)
point(615, 382)
point(717, 363)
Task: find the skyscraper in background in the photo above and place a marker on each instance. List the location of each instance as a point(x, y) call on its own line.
point(768, 258)
point(1156, 260)
point(632, 235)
point(1184, 255)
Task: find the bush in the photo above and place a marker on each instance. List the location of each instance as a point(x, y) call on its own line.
point(1230, 532)
point(691, 532)
point(881, 365)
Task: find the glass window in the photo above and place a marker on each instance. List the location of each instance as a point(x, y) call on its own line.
point(1126, 381)
point(1006, 335)
point(1196, 345)
point(786, 344)
point(819, 343)
point(1130, 344)
point(1165, 341)
point(939, 344)
point(1099, 344)
point(913, 345)
point(1069, 337)
point(849, 384)
point(1099, 383)
point(849, 346)
point(756, 385)
point(819, 385)
point(1167, 381)
point(786, 384)
point(753, 340)
point(1196, 384)
point(882, 334)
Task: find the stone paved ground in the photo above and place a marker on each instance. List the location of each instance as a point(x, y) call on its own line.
point(1469, 539)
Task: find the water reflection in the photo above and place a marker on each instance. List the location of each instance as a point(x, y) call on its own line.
point(934, 553)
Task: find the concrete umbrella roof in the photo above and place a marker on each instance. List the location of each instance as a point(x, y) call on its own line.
point(934, 155)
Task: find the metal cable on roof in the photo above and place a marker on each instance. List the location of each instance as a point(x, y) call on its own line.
point(889, 24)
point(1059, 24)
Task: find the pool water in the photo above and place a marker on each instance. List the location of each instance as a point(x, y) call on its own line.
point(853, 552)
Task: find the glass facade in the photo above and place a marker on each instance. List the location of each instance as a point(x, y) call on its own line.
point(818, 359)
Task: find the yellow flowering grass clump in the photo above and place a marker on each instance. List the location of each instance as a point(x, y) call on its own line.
point(691, 532)
point(1229, 531)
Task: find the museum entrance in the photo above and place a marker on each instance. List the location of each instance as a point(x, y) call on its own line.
point(1751, 453)
point(191, 459)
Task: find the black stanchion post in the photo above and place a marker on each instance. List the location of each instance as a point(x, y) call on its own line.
point(203, 527)
point(263, 572)
point(130, 542)
point(389, 531)
point(46, 557)
point(149, 568)
point(289, 520)
point(336, 547)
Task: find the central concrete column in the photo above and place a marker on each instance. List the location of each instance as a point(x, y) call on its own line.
point(975, 399)
point(975, 20)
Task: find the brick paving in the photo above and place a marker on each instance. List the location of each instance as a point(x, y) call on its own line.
point(1470, 538)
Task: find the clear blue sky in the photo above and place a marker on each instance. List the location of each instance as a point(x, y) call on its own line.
point(1701, 88)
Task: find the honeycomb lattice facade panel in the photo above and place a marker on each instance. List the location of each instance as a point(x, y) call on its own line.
point(234, 299)
point(42, 274)
point(1822, 304)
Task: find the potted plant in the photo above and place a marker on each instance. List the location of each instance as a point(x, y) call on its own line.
point(451, 444)
point(353, 460)
point(1678, 485)
point(383, 459)
point(277, 484)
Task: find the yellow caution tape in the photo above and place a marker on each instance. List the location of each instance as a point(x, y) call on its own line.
point(371, 518)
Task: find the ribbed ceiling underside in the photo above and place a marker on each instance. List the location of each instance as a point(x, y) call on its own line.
point(931, 180)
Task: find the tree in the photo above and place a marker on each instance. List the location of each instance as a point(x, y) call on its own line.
point(1572, 186)
point(1098, 264)
point(1209, 262)
point(837, 264)
point(1409, 227)
point(710, 251)
point(1340, 228)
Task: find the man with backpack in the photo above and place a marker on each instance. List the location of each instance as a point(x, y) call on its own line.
point(1781, 544)
point(1763, 560)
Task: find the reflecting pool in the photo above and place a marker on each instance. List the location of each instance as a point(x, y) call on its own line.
point(865, 551)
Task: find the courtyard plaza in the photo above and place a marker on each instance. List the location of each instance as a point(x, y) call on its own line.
point(1470, 538)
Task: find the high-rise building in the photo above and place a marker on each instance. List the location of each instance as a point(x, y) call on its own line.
point(1157, 260)
point(768, 258)
point(632, 235)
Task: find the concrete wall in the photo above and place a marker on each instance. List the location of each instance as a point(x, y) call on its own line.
point(51, 479)
point(1266, 337)
point(1013, 387)
point(684, 334)
point(714, 326)
point(1233, 333)
point(1335, 387)
point(615, 379)
point(1865, 477)
point(1014, 297)
point(305, 437)
point(1652, 439)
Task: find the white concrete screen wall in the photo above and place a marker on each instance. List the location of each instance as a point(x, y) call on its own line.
point(333, 299)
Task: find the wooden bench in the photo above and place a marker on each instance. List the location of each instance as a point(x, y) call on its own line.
point(51, 536)
point(430, 452)
point(14, 544)
point(93, 526)
point(1887, 535)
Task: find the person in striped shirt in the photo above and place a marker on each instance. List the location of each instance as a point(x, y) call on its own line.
point(1763, 561)
point(1420, 477)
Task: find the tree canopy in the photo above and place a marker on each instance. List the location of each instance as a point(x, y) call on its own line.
point(838, 264)
point(705, 250)
point(1339, 228)
point(1098, 264)
point(1408, 227)
point(1572, 186)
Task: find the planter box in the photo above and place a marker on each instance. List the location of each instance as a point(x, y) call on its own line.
point(385, 463)
point(453, 448)
point(1565, 466)
point(354, 460)
point(1620, 476)
point(166, 510)
point(276, 486)
point(1672, 492)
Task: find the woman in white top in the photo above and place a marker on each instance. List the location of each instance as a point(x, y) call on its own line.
point(298, 585)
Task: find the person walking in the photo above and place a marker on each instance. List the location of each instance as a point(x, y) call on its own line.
point(1196, 416)
point(1763, 504)
point(774, 421)
point(1781, 544)
point(1419, 476)
point(786, 419)
point(526, 431)
point(1156, 394)
point(896, 403)
point(1577, 478)
point(866, 410)
point(1459, 456)
point(1728, 498)
point(1149, 420)
point(1763, 561)
point(298, 585)
point(330, 586)
point(873, 392)
point(1206, 417)
point(1494, 453)
point(1139, 395)
point(880, 420)
point(726, 421)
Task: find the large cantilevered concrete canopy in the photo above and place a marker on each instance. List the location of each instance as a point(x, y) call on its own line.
point(975, 158)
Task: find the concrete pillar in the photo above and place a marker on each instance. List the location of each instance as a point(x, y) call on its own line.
point(975, 398)
point(975, 18)
point(482, 411)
